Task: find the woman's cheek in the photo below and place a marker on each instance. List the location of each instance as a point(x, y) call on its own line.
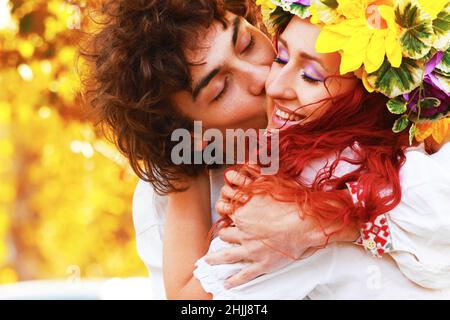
point(272, 75)
point(310, 96)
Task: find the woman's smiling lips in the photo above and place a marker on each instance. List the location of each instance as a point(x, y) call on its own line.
point(284, 118)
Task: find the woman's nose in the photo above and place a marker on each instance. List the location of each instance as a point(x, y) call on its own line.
point(280, 86)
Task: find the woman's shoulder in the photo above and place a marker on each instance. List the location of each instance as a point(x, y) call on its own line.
point(420, 152)
point(421, 167)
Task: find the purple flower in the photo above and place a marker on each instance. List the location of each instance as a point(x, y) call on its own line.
point(432, 88)
point(302, 2)
point(433, 63)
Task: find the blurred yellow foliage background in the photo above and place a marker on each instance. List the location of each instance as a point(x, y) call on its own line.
point(65, 192)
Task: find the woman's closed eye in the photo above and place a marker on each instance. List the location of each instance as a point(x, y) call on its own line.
point(281, 61)
point(303, 74)
point(309, 78)
point(282, 56)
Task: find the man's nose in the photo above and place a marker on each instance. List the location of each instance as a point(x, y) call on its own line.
point(254, 76)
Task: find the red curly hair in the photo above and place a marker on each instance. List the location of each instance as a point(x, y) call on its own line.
point(356, 116)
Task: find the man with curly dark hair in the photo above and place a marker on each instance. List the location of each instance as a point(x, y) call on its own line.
point(157, 66)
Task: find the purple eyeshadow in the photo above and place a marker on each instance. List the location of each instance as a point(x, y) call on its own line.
point(315, 71)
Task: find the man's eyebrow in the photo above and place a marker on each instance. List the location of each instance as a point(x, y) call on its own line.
point(304, 55)
point(204, 82)
point(207, 79)
point(236, 27)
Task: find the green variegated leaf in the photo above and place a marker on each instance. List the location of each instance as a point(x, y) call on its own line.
point(444, 81)
point(429, 55)
point(394, 82)
point(441, 27)
point(294, 8)
point(417, 35)
point(412, 133)
point(444, 65)
point(300, 10)
point(438, 72)
point(441, 73)
point(435, 117)
point(333, 4)
point(431, 103)
point(428, 103)
point(397, 105)
point(401, 124)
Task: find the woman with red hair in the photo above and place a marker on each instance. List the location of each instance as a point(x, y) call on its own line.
point(342, 164)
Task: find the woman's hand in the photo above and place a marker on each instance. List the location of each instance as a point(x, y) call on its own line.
point(229, 192)
point(271, 233)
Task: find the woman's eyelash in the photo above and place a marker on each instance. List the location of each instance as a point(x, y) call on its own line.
point(250, 45)
point(220, 95)
point(280, 61)
point(308, 78)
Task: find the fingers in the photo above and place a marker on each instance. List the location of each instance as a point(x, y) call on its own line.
point(235, 178)
point(255, 167)
point(233, 255)
point(244, 276)
point(229, 194)
point(232, 235)
point(224, 208)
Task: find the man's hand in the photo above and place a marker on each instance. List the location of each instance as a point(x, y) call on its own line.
point(271, 233)
point(262, 258)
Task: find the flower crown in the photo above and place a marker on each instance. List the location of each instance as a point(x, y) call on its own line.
point(399, 48)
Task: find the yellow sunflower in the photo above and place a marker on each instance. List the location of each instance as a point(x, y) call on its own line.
point(433, 7)
point(267, 7)
point(366, 34)
point(266, 4)
point(322, 13)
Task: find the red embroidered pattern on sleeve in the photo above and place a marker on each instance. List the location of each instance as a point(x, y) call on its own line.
point(375, 235)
